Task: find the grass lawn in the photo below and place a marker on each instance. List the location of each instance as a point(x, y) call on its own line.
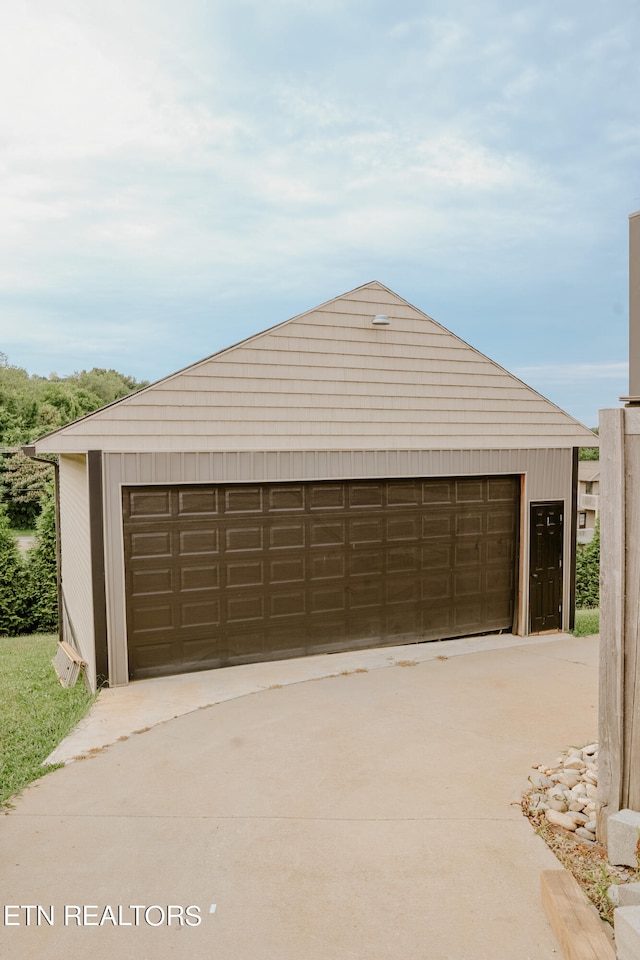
point(587, 622)
point(36, 712)
point(26, 532)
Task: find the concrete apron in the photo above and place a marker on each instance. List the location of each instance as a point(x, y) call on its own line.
point(370, 814)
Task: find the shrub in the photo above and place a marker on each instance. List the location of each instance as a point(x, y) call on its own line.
point(42, 582)
point(13, 582)
point(588, 573)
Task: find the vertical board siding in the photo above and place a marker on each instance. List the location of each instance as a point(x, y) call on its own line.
point(75, 543)
point(547, 477)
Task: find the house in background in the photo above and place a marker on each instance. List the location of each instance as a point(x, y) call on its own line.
point(353, 477)
point(588, 499)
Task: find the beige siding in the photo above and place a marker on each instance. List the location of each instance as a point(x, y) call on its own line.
point(330, 378)
point(547, 476)
point(76, 557)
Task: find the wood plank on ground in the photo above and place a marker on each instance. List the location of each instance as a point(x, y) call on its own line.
point(573, 919)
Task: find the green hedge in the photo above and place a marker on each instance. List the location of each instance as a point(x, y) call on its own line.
point(588, 573)
point(28, 584)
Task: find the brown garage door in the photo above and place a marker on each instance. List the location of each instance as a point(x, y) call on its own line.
point(230, 574)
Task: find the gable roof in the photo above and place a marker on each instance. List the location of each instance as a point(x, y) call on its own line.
point(330, 379)
point(588, 470)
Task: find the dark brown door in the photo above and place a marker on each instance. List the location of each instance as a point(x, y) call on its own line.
point(236, 573)
point(545, 566)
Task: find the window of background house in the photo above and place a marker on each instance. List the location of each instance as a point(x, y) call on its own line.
point(582, 521)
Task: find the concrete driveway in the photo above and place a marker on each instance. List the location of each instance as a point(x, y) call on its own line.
point(366, 815)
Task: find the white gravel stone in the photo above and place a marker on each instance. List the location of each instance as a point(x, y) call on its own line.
point(585, 834)
point(574, 763)
point(560, 819)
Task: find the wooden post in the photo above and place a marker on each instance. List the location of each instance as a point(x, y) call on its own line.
point(619, 711)
point(612, 608)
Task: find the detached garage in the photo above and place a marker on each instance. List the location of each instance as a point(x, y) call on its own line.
point(354, 477)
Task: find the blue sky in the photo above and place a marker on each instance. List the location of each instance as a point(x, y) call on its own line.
point(179, 175)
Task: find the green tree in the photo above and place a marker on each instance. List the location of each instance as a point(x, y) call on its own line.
point(22, 485)
point(13, 582)
point(42, 580)
point(589, 453)
point(588, 572)
point(109, 385)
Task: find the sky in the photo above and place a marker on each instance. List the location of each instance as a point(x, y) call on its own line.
point(177, 176)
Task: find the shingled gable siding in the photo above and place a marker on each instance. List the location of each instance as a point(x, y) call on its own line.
point(329, 378)
point(547, 476)
point(75, 545)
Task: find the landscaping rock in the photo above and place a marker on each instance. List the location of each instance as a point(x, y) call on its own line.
point(585, 835)
point(560, 819)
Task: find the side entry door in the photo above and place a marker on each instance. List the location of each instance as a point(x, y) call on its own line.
point(545, 566)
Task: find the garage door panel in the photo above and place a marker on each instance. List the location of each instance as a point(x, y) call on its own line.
point(438, 492)
point(197, 502)
point(365, 594)
point(499, 521)
point(437, 555)
point(404, 559)
point(200, 614)
point(327, 599)
point(327, 534)
point(199, 653)
point(468, 582)
point(244, 608)
point(327, 566)
point(437, 525)
point(470, 524)
point(236, 574)
point(468, 552)
point(153, 617)
point(402, 590)
point(151, 582)
point(287, 569)
point(150, 545)
point(291, 604)
point(437, 621)
point(247, 573)
point(405, 527)
point(244, 537)
point(366, 563)
point(470, 491)
point(245, 646)
point(199, 578)
point(151, 660)
point(243, 500)
point(365, 495)
point(466, 613)
point(149, 503)
point(402, 493)
point(198, 541)
point(326, 496)
point(500, 489)
point(285, 499)
point(499, 550)
point(287, 535)
point(366, 530)
point(404, 621)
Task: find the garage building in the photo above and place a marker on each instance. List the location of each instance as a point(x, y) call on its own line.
point(356, 476)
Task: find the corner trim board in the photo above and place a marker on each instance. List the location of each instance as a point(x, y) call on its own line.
point(98, 580)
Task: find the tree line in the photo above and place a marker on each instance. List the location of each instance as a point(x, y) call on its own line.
point(31, 406)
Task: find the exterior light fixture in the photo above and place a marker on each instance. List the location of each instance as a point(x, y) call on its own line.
point(380, 320)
